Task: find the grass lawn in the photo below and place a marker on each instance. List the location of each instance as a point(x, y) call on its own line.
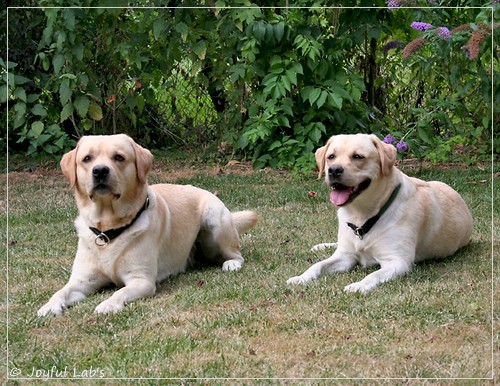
point(436, 322)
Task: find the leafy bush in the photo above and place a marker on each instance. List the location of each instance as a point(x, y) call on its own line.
point(446, 72)
point(274, 82)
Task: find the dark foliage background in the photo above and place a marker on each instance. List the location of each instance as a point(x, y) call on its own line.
point(255, 80)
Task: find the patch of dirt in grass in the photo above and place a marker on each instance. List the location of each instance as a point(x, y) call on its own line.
point(162, 169)
point(166, 171)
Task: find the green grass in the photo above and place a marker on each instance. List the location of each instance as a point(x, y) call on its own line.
point(433, 323)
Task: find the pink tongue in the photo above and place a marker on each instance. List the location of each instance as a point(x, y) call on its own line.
point(339, 197)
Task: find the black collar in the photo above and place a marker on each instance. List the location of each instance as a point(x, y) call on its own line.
point(365, 228)
point(106, 237)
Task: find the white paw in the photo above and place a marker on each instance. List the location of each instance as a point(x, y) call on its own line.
point(323, 246)
point(232, 265)
point(358, 287)
point(296, 280)
point(52, 307)
point(107, 307)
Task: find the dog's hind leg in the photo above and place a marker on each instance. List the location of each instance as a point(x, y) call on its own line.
point(219, 239)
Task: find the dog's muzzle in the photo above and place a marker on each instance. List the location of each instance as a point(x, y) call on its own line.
point(100, 176)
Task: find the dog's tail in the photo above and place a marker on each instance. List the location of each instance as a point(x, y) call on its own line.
point(244, 220)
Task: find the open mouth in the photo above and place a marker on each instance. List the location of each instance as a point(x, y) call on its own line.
point(342, 194)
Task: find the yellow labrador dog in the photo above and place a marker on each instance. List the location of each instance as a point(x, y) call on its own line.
point(385, 217)
point(132, 234)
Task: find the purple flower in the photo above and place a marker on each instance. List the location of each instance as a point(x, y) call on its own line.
point(443, 32)
point(402, 146)
point(420, 26)
point(389, 139)
point(391, 4)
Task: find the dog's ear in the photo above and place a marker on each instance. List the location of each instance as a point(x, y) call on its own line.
point(68, 166)
point(320, 157)
point(143, 162)
point(387, 154)
point(320, 160)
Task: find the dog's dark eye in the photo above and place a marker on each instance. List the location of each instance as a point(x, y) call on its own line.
point(357, 156)
point(331, 156)
point(119, 158)
point(87, 159)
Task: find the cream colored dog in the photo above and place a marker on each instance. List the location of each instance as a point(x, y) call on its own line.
point(132, 234)
point(385, 217)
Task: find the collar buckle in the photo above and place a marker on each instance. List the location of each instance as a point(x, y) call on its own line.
point(102, 239)
point(359, 232)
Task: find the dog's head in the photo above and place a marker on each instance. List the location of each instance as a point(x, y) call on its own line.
point(352, 162)
point(102, 166)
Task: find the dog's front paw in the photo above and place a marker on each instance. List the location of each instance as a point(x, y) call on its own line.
point(54, 308)
point(323, 246)
point(296, 280)
point(358, 287)
point(108, 307)
point(232, 265)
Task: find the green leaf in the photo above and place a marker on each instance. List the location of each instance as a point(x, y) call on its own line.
point(286, 106)
point(279, 30)
point(274, 145)
point(269, 80)
point(58, 62)
point(86, 124)
point(3, 93)
point(297, 68)
point(305, 92)
point(18, 79)
point(269, 38)
point(322, 98)
point(259, 30)
point(183, 29)
point(67, 111)
point(46, 64)
point(279, 91)
point(292, 76)
point(315, 134)
point(39, 110)
point(81, 105)
point(32, 98)
point(423, 134)
point(37, 129)
point(335, 100)
point(65, 93)
point(68, 76)
point(69, 18)
point(237, 72)
point(285, 81)
point(19, 119)
point(200, 49)
point(61, 39)
point(77, 50)
point(140, 103)
point(159, 26)
point(314, 95)
point(95, 112)
point(19, 93)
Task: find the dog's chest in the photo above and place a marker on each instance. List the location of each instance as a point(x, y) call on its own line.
point(364, 251)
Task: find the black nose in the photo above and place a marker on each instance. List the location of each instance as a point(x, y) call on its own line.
point(100, 172)
point(335, 171)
